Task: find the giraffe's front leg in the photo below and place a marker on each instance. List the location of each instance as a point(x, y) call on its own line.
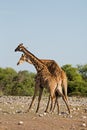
point(46, 110)
point(39, 98)
point(35, 93)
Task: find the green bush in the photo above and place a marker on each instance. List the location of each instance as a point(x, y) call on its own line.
point(77, 88)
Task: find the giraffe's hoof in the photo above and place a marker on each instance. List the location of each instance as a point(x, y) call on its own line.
point(46, 111)
point(36, 111)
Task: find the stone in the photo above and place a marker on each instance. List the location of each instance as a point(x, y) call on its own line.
point(20, 123)
point(84, 125)
point(41, 115)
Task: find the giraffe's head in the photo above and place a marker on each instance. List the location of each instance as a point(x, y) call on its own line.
point(22, 59)
point(20, 47)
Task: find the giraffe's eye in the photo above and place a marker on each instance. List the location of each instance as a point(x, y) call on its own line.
point(20, 48)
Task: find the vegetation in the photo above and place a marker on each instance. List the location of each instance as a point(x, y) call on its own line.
point(22, 82)
point(77, 79)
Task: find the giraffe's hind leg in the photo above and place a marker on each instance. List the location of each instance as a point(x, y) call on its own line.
point(56, 102)
point(65, 100)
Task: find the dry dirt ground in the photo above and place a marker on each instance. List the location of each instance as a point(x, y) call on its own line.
point(13, 116)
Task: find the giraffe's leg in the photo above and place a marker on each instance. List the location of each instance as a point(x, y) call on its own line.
point(53, 107)
point(57, 106)
point(46, 110)
point(39, 98)
point(66, 103)
point(56, 102)
point(63, 97)
point(52, 104)
point(65, 88)
point(53, 95)
point(35, 93)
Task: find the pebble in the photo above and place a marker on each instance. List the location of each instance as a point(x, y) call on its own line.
point(60, 114)
point(84, 125)
point(78, 108)
point(41, 115)
point(18, 111)
point(74, 109)
point(20, 123)
point(70, 116)
point(84, 117)
point(45, 113)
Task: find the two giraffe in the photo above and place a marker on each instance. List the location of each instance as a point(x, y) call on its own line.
point(54, 69)
point(49, 74)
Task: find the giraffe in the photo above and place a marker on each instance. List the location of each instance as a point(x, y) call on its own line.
point(54, 69)
point(46, 78)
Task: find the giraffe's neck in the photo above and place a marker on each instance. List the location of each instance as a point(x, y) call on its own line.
point(38, 64)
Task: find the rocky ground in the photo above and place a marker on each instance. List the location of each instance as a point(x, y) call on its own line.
point(13, 116)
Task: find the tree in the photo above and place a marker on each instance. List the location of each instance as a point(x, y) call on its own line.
point(76, 82)
point(72, 73)
point(23, 83)
point(83, 71)
point(6, 78)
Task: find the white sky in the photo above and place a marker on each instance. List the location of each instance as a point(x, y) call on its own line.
point(53, 29)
